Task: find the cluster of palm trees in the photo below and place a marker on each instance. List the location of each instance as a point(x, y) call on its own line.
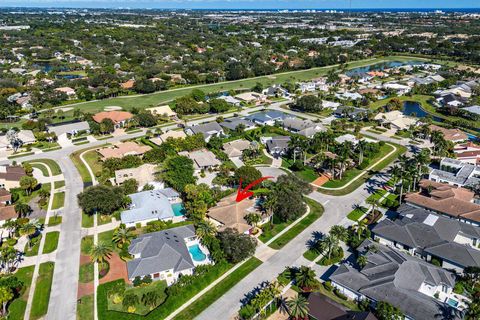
point(329, 244)
point(408, 171)
point(149, 299)
point(101, 252)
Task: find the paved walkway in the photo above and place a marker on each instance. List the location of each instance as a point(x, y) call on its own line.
point(40, 257)
point(276, 162)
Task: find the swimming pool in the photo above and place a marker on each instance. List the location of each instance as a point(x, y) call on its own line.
point(197, 253)
point(178, 209)
point(452, 302)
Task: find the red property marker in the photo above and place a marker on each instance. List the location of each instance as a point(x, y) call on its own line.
point(243, 194)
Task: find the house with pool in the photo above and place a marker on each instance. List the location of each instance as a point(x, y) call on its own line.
point(153, 205)
point(167, 255)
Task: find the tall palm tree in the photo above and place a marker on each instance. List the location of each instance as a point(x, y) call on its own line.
point(373, 202)
point(473, 310)
point(122, 236)
point(362, 261)
point(361, 146)
point(253, 219)
point(328, 245)
point(305, 277)
point(100, 253)
point(22, 209)
point(150, 299)
point(339, 232)
point(28, 230)
point(360, 227)
point(205, 229)
point(298, 307)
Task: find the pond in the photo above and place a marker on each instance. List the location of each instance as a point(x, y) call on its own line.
point(381, 66)
point(412, 108)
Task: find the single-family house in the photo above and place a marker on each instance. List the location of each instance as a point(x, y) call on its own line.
point(278, 146)
point(23, 137)
point(443, 199)
point(396, 119)
point(145, 174)
point(234, 149)
point(252, 97)
point(416, 287)
point(275, 90)
point(70, 92)
point(151, 205)
point(454, 135)
point(163, 111)
point(349, 96)
point(172, 134)
point(123, 149)
point(351, 138)
point(306, 128)
point(427, 235)
point(208, 130)
point(230, 100)
point(307, 87)
point(10, 176)
point(330, 104)
point(353, 113)
point(166, 255)
point(127, 85)
point(473, 109)
point(228, 213)
point(320, 307)
point(233, 123)
point(203, 159)
point(268, 118)
point(456, 173)
point(119, 118)
point(68, 129)
point(7, 210)
point(400, 89)
point(468, 152)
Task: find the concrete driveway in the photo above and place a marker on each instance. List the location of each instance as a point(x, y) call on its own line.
point(272, 172)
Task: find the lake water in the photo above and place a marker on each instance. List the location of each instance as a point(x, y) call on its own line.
point(381, 66)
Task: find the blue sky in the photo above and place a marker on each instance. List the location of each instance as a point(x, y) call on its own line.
point(246, 4)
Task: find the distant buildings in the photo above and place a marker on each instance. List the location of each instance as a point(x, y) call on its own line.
point(456, 172)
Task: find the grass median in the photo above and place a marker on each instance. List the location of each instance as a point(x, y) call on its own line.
point(41, 296)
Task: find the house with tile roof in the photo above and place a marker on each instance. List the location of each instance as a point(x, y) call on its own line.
point(203, 159)
point(144, 174)
point(447, 200)
point(173, 134)
point(306, 128)
point(454, 135)
point(119, 118)
point(123, 149)
point(10, 176)
point(406, 282)
point(456, 172)
point(166, 255)
point(7, 209)
point(427, 235)
point(234, 149)
point(208, 130)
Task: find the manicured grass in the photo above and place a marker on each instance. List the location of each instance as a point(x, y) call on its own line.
point(316, 211)
point(86, 244)
point(141, 309)
point(377, 195)
point(51, 241)
point(308, 174)
point(59, 184)
point(58, 200)
point(33, 251)
point(217, 291)
point(421, 99)
point(147, 100)
point(82, 169)
point(85, 308)
point(87, 220)
point(262, 159)
point(373, 170)
point(86, 273)
point(311, 255)
point(55, 220)
point(54, 167)
point(351, 305)
point(104, 219)
point(16, 309)
point(41, 167)
point(351, 174)
point(20, 155)
point(42, 290)
point(357, 213)
point(93, 160)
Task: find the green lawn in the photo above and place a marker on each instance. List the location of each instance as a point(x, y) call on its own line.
point(33, 250)
point(354, 172)
point(16, 309)
point(42, 291)
point(141, 309)
point(308, 174)
point(85, 308)
point(59, 184)
point(86, 244)
point(93, 160)
point(148, 100)
point(316, 211)
point(311, 255)
point(349, 304)
point(375, 169)
point(54, 221)
point(87, 220)
point(51, 241)
point(52, 164)
point(58, 200)
point(357, 213)
point(86, 272)
point(41, 167)
point(82, 169)
point(421, 99)
point(217, 291)
point(377, 195)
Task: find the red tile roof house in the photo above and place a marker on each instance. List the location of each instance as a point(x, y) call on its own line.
point(119, 118)
point(7, 210)
point(446, 200)
point(468, 152)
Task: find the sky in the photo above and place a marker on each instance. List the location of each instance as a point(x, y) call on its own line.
point(244, 4)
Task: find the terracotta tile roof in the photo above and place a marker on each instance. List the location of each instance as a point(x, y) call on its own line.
point(115, 116)
point(7, 212)
point(450, 134)
point(5, 195)
point(446, 199)
point(128, 84)
point(12, 173)
point(123, 149)
point(231, 214)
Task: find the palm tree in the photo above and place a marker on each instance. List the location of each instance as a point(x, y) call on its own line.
point(6, 295)
point(10, 225)
point(22, 209)
point(44, 194)
point(298, 307)
point(205, 229)
point(150, 299)
point(129, 302)
point(473, 310)
point(374, 202)
point(361, 146)
point(253, 219)
point(328, 245)
point(360, 227)
point(339, 232)
point(100, 253)
point(305, 277)
point(269, 205)
point(122, 236)
point(362, 261)
point(28, 230)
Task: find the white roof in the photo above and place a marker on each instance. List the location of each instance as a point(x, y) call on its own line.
point(161, 110)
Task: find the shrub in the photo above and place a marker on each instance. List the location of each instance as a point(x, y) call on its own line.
point(336, 257)
point(339, 294)
point(458, 288)
point(436, 262)
point(328, 285)
point(365, 163)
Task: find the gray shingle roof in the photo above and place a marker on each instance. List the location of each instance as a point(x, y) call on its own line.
point(233, 123)
point(395, 277)
point(161, 251)
point(207, 129)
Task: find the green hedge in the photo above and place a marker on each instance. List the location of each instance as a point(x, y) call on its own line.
point(168, 306)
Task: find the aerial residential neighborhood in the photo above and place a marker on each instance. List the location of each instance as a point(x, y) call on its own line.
point(245, 160)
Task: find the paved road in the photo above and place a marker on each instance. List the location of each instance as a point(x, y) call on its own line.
point(336, 208)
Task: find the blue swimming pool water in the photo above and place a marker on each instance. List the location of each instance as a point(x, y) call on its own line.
point(178, 209)
point(452, 302)
point(197, 253)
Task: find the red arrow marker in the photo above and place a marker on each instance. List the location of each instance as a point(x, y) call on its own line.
point(243, 194)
